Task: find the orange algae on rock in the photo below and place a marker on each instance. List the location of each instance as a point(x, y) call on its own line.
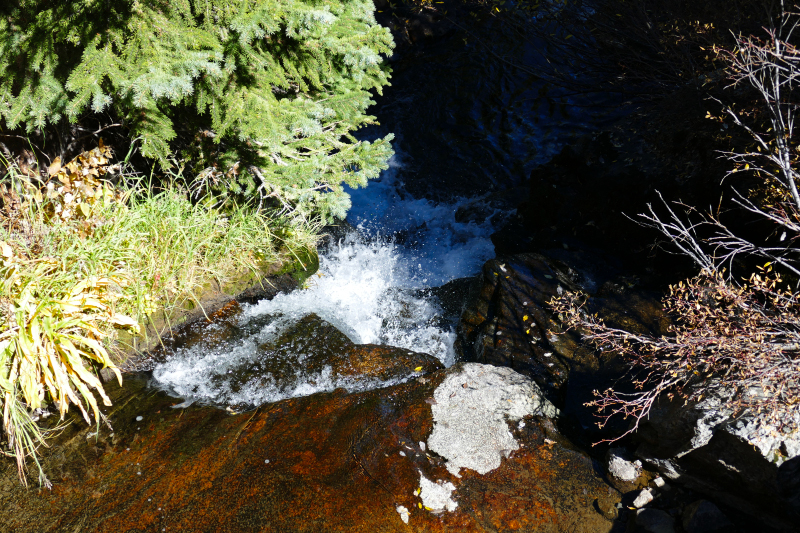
point(326, 462)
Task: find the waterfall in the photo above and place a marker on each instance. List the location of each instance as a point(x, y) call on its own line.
point(369, 286)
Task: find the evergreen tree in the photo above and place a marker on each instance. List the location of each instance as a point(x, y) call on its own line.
point(255, 96)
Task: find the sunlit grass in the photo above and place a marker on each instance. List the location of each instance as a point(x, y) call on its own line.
point(73, 270)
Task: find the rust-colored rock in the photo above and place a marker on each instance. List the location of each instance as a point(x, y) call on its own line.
point(326, 462)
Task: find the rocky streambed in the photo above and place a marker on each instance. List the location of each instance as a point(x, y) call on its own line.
point(470, 448)
point(419, 381)
point(391, 440)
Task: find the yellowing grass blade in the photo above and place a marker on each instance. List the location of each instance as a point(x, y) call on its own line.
point(29, 382)
point(124, 321)
point(98, 352)
point(80, 287)
point(84, 391)
point(89, 397)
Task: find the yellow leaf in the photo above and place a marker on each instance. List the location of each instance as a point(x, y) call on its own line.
point(97, 348)
point(54, 167)
point(6, 249)
point(525, 317)
point(127, 322)
point(418, 369)
point(79, 287)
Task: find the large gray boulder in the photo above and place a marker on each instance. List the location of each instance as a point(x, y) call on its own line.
point(743, 459)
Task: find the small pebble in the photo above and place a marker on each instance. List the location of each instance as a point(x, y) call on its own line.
point(266, 461)
point(138, 473)
point(659, 481)
point(403, 512)
point(422, 446)
point(402, 453)
point(139, 418)
point(643, 498)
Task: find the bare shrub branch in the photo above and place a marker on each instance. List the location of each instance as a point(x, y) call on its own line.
point(743, 342)
point(771, 66)
point(737, 341)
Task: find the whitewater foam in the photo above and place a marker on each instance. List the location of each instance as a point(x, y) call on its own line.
point(367, 286)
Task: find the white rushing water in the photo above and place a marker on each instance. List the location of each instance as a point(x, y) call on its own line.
point(367, 287)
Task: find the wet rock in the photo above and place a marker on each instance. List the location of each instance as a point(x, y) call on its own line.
point(316, 344)
point(703, 516)
point(325, 462)
point(654, 521)
point(293, 354)
point(452, 297)
point(508, 322)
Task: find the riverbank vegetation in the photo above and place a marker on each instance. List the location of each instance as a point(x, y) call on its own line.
point(736, 324)
point(82, 258)
point(238, 122)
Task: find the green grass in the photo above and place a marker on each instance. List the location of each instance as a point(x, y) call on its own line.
point(68, 283)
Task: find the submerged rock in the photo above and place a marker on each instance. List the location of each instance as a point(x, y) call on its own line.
point(654, 521)
point(326, 462)
point(703, 516)
point(273, 358)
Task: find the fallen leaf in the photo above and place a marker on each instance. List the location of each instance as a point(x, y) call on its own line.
point(54, 167)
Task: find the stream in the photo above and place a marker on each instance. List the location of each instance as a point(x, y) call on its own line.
point(467, 126)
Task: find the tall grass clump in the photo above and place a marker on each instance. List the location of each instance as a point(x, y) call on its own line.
point(81, 259)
